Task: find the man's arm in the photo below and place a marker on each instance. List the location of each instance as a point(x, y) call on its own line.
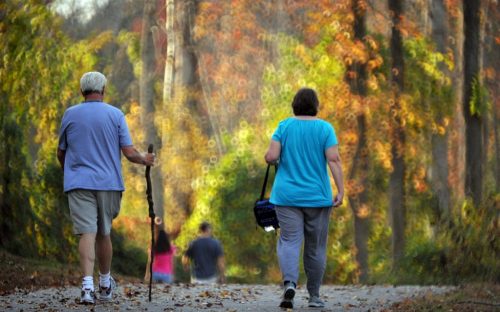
point(61, 155)
point(134, 156)
point(222, 268)
point(333, 158)
point(273, 153)
point(185, 262)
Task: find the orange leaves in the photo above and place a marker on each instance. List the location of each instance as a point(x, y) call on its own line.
point(490, 73)
point(419, 183)
point(363, 211)
point(304, 57)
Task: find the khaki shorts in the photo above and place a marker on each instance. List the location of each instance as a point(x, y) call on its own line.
point(93, 211)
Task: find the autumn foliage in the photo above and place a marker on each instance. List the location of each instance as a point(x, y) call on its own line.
point(252, 56)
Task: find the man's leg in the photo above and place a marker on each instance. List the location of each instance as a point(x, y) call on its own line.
point(83, 211)
point(86, 248)
point(104, 250)
point(316, 222)
point(108, 203)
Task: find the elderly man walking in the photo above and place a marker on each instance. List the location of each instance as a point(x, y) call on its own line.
point(91, 137)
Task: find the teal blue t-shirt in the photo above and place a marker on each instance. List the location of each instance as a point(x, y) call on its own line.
point(302, 179)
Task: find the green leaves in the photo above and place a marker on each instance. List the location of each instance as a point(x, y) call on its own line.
point(479, 102)
point(39, 75)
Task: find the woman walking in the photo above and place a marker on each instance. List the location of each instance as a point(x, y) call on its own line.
point(304, 145)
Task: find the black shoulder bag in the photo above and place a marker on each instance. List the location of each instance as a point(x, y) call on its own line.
point(265, 213)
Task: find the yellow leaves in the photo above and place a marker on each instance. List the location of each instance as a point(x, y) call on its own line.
point(372, 83)
point(441, 130)
point(446, 121)
point(438, 128)
point(382, 151)
point(375, 63)
point(371, 42)
point(300, 51)
point(134, 122)
point(350, 137)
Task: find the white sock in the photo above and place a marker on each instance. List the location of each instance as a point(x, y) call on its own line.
point(88, 282)
point(104, 279)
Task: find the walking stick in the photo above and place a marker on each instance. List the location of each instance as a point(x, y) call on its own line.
point(152, 216)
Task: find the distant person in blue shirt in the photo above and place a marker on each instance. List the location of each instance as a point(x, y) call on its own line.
point(304, 146)
point(206, 257)
point(92, 137)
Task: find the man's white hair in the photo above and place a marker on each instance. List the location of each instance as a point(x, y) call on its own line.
point(92, 81)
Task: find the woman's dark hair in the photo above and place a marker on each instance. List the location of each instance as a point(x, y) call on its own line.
point(162, 242)
point(305, 103)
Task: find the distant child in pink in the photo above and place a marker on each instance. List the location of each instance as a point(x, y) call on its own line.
point(163, 263)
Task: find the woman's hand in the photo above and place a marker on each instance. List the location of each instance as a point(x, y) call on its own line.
point(338, 200)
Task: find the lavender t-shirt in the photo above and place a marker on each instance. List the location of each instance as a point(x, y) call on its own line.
point(92, 134)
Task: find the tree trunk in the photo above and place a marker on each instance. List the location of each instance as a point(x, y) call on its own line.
point(496, 136)
point(491, 63)
point(439, 142)
point(183, 92)
point(473, 121)
point(169, 76)
point(5, 205)
point(189, 72)
point(147, 98)
point(360, 165)
point(456, 157)
point(397, 178)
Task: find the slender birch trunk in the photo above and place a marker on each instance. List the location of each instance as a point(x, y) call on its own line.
point(147, 98)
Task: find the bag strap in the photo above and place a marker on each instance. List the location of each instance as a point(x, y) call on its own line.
point(263, 192)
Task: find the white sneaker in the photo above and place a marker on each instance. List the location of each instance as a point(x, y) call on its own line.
point(316, 302)
point(106, 293)
point(87, 297)
point(287, 301)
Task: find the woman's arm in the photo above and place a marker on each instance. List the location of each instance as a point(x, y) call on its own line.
point(273, 153)
point(333, 159)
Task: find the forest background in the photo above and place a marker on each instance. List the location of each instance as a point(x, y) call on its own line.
point(411, 88)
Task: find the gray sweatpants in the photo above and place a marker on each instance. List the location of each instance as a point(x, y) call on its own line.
point(310, 224)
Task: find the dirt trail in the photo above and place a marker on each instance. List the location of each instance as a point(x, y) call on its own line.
point(232, 297)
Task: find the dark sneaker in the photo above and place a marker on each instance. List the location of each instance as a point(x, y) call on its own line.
point(316, 302)
point(288, 295)
point(87, 297)
point(106, 293)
